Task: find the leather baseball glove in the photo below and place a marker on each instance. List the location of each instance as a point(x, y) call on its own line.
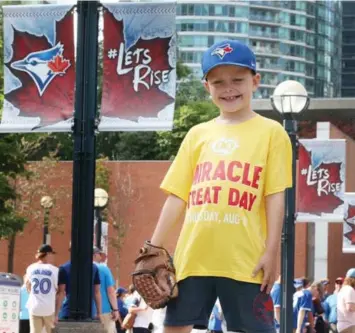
point(154, 276)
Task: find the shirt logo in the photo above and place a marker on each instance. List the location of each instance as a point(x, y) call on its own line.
point(224, 146)
point(221, 51)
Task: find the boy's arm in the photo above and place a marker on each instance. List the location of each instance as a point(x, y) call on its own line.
point(275, 208)
point(171, 212)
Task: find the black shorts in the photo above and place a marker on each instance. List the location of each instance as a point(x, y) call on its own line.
point(244, 307)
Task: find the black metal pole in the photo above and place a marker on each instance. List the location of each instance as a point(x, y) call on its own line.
point(288, 236)
point(84, 160)
point(98, 227)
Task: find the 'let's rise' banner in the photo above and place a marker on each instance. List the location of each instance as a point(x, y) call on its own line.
point(139, 61)
point(321, 180)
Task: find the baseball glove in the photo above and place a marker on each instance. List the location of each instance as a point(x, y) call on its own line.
point(154, 276)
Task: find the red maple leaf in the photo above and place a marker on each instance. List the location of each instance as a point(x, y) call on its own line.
point(350, 235)
point(308, 199)
point(119, 99)
point(350, 212)
point(269, 305)
point(59, 65)
point(57, 102)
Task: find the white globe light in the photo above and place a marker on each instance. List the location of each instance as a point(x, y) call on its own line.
point(101, 198)
point(290, 97)
point(46, 202)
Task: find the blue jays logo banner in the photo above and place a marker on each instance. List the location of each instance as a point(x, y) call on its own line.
point(39, 71)
point(139, 61)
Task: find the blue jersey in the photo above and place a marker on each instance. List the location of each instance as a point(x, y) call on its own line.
point(215, 323)
point(276, 298)
point(302, 300)
point(64, 278)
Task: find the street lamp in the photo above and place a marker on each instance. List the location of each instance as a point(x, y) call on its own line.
point(47, 204)
point(290, 98)
point(101, 199)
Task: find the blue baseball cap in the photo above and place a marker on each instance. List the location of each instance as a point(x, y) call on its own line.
point(351, 273)
point(228, 52)
point(121, 291)
point(297, 283)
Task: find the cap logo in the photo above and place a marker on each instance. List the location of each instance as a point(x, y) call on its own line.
point(221, 51)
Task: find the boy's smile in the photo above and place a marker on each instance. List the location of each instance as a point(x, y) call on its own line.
point(231, 87)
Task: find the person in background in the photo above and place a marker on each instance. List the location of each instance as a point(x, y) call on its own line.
point(330, 306)
point(326, 285)
point(24, 315)
point(144, 314)
point(346, 304)
point(109, 313)
point(276, 299)
point(64, 291)
point(302, 304)
point(122, 308)
point(42, 284)
point(317, 290)
point(216, 319)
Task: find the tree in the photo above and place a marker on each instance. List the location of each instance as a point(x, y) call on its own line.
point(118, 211)
point(186, 117)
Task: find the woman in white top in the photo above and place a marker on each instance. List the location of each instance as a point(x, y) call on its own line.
point(346, 304)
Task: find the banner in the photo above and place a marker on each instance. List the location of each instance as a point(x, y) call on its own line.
point(39, 73)
point(321, 180)
point(139, 67)
point(349, 224)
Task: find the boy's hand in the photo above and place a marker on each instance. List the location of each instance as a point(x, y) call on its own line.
point(267, 263)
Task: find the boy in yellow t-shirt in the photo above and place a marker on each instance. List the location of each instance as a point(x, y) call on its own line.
point(229, 178)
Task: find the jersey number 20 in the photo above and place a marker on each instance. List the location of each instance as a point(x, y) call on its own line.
point(42, 286)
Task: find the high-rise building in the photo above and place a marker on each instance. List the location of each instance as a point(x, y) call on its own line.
point(293, 40)
point(348, 63)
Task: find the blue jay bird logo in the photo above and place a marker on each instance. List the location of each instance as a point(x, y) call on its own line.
point(221, 51)
point(43, 66)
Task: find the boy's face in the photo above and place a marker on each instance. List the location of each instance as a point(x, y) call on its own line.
point(231, 87)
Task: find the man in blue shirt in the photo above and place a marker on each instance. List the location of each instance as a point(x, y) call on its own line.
point(302, 304)
point(108, 296)
point(330, 306)
point(276, 299)
point(216, 319)
point(62, 309)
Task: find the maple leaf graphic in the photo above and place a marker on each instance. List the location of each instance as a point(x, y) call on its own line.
point(350, 235)
point(119, 99)
point(57, 102)
point(58, 65)
point(350, 212)
point(308, 198)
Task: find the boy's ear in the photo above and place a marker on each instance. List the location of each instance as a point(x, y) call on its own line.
point(256, 81)
point(207, 87)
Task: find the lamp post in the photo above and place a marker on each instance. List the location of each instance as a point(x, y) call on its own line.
point(47, 204)
point(101, 199)
point(290, 98)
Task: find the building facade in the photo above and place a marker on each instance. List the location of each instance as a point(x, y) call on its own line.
point(293, 40)
point(348, 61)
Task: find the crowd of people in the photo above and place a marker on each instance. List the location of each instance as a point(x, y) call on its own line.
point(316, 309)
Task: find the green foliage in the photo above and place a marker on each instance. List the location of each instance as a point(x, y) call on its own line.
point(186, 117)
point(102, 175)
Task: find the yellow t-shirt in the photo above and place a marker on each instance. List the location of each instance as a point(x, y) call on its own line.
point(223, 172)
